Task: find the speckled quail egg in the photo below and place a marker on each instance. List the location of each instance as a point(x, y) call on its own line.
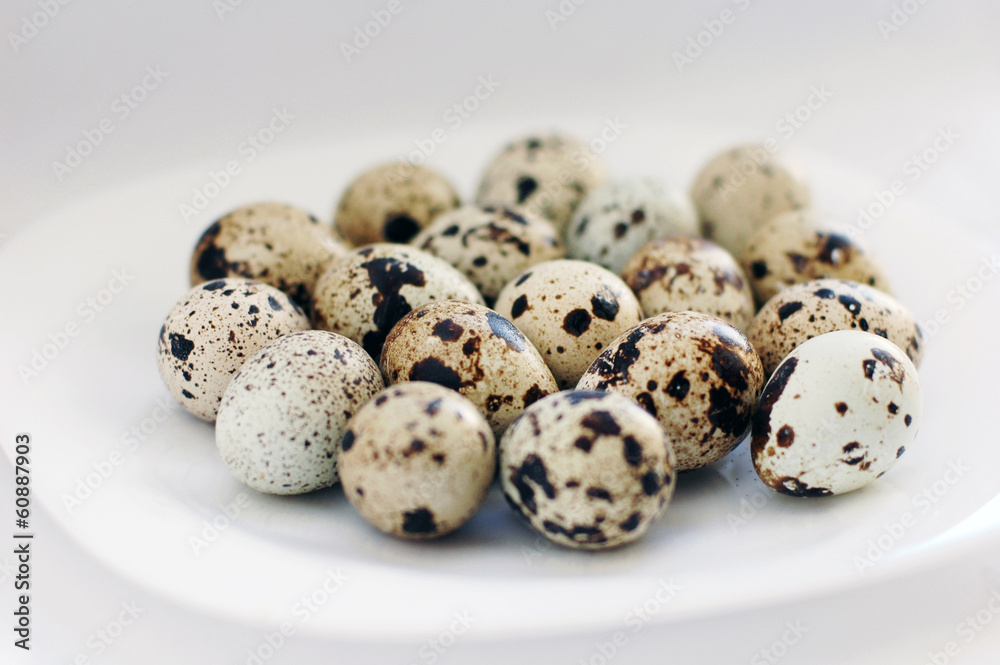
point(417, 460)
point(621, 216)
point(469, 348)
point(803, 311)
point(548, 174)
point(285, 411)
point(587, 469)
point(697, 374)
point(391, 203)
point(274, 243)
point(364, 294)
point(740, 189)
point(490, 245)
point(838, 412)
point(570, 310)
point(684, 273)
point(800, 246)
point(210, 332)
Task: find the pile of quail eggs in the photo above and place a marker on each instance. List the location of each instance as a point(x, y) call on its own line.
point(585, 339)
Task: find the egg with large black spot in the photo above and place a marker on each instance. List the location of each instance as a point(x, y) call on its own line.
point(274, 243)
point(365, 293)
point(471, 349)
point(391, 203)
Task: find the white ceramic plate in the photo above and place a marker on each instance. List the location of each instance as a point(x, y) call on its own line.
point(137, 484)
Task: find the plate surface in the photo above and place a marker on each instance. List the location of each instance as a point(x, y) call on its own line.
point(138, 482)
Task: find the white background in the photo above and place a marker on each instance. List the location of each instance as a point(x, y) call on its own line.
point(891, 95)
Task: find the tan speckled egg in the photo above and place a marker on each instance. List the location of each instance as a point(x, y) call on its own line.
point(210, 332)
point(391, 203)
point(697, 374)
point(619, 217)
point(285, 411)
point(587, 469)
point(274, 243)
point(740, 189)
point(548, 174)
point(801, 246)
point(803, 311)
point(490, 245)
point(683, 273)
point(471, 349)
point(837, 414)
point(417, 460)
point(364, 294)
point(570, 310)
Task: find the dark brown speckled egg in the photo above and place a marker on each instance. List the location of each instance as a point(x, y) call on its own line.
point(697, 374)
point(469, 348)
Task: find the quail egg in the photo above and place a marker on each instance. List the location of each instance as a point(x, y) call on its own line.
point(273, 243)
point(548, 174)
point(489, 245)
point(684, 273)
point(364, 294)
point(210, 332)
point(284, 413)
point(469, 348)
point(391, 203)
point(803, 311)
point(697, 374)
point(417, 460)
point(587, 469)
point(837, 414)
point(800, 246)
point(740, 189)
point(619, 217)
point(570, 311)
